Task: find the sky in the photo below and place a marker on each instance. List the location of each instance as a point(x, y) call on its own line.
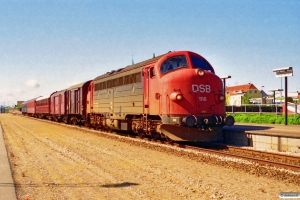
point(48, 46)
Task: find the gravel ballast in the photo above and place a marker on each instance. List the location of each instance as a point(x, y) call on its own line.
point(51, 161)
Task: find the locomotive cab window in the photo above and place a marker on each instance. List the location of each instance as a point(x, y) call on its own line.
point(201, 64)
point(173, 63)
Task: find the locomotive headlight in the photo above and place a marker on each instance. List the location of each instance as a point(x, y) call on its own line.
point(176, 96)
point(200, 72)
point(222, 98)
point(179, 96)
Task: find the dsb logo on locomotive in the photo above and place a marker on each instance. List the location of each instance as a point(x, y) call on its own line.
point(201, 88)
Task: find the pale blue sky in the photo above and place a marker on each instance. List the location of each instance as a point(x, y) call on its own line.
point(47, 46)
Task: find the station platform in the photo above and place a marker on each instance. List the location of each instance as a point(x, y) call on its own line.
point(267, 129)
point(278, 137)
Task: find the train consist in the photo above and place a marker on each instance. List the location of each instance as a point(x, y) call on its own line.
point(176, 96)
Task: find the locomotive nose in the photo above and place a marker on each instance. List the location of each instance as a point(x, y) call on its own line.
point(190, 121)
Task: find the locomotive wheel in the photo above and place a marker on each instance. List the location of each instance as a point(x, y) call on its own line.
point(141, 133)
point(73, 121)
point(155, 136)
point(65, 120)
point(87, 124)
point(109, 130)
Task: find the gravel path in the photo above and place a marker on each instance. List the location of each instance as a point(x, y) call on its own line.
point(51, 161)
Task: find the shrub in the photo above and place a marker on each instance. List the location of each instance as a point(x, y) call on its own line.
point(271, 120)
point(265, 118)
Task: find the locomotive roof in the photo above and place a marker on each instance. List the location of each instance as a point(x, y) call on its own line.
point(129, 67)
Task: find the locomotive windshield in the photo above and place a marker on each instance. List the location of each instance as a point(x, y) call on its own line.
point(201, 63)
point(173, 63)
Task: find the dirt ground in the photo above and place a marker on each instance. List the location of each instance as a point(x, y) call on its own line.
point(51, 161)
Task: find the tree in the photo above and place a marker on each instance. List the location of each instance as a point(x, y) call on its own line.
point(246, 99)
point(17, 106)
point(290, 99)
point(227, 99)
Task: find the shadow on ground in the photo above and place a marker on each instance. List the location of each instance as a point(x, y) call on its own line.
point(113, 185)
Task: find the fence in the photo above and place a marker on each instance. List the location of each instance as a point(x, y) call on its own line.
point(293, 108)
point(254, 108)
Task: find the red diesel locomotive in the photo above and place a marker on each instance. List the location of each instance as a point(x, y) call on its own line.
point(176, 96)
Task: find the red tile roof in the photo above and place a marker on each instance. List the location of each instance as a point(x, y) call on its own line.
point(240, 88)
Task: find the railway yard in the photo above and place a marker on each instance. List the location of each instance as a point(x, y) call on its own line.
point(57, 161)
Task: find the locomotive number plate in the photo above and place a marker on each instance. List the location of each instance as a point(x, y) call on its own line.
point(202, 98)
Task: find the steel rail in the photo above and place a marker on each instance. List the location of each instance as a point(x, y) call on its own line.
point(272, 155)
point(252, 159)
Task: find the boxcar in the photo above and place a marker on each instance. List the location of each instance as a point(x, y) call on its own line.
point(24, 107)
point(31, 107)
point(76, 102)
point(43, 107)
point(58, 108)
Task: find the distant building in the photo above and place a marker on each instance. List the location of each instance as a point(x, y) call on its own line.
point(294, 95)
point(19, 103)
point(235, 94)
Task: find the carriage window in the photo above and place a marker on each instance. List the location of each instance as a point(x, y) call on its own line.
point(201, 63)
point(173, 63)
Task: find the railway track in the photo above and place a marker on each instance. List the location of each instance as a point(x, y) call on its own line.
point(277, 160)
point(281, 161)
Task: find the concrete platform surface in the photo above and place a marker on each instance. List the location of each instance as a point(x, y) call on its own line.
point(266, 129)
point(7, 187)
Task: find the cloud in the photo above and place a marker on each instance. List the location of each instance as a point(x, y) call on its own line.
point(32, 83)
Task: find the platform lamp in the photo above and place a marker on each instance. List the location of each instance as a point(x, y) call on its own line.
point(262, 94)
point(284, 72)
point(278, 90)
point(224, 83)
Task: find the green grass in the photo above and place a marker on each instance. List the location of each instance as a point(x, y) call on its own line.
point(265, 118)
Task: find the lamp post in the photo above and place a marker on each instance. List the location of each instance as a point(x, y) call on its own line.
point(224, 84)
point(262, 94)
point(284, 72)
point(278, 90)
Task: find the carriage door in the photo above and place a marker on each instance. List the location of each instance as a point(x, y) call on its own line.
point(75, 101)
point(90, 98)
point(78, 101)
